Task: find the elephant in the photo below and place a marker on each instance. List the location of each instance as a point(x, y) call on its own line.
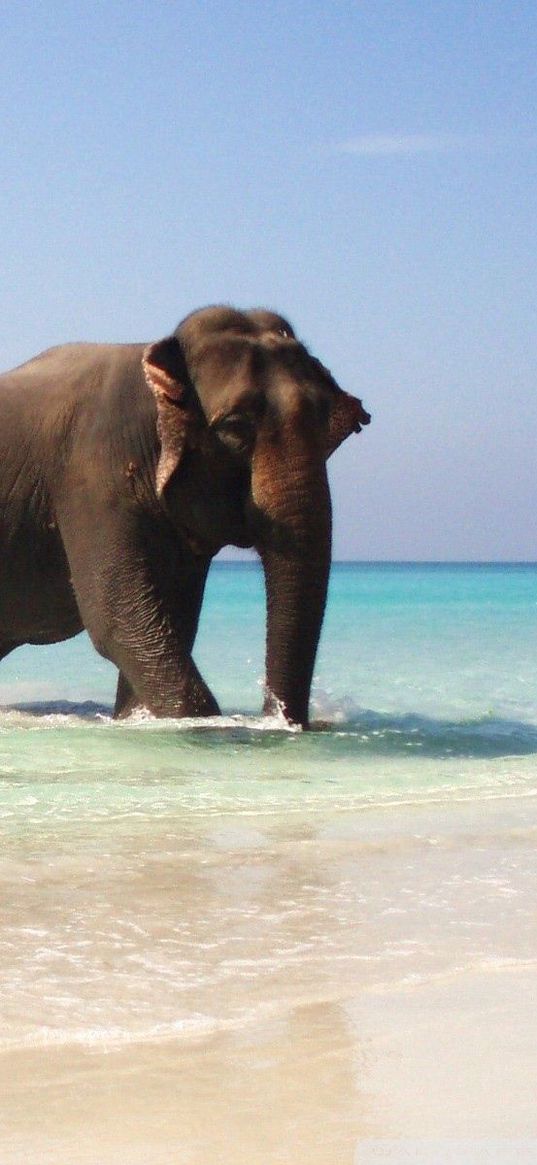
point(124, 468)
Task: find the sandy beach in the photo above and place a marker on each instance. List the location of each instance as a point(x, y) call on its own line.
point(229, 944)
point(302, 1046)
point(449, 1060)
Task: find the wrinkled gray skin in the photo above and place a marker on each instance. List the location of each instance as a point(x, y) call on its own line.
point(125, 467)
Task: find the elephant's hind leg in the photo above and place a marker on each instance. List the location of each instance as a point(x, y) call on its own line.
point(6, 646)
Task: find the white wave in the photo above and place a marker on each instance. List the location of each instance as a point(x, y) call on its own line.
point(65, 715)
point(113, 1035)
point(478, 966)
point(144, 719)
point(110, 1037)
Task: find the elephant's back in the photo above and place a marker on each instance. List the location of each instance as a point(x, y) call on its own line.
point(65, 369)
point(39, 403)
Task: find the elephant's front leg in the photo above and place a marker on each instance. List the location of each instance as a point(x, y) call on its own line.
point(126, 698)
point(141, 608)
point(154, 649)
point(197, 699)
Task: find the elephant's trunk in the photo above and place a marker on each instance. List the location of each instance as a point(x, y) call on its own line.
point(292, 499)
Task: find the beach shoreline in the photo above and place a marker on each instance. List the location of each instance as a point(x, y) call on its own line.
point(231, 943)
point(448, 1059)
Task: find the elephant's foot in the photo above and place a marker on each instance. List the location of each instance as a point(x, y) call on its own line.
point(6, 647)
point(126, 700)
point(199, 701)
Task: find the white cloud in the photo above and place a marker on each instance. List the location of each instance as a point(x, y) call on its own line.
point(384, 145)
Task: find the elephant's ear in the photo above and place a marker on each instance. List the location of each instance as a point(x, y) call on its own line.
point(346, 416)
point(167, 376)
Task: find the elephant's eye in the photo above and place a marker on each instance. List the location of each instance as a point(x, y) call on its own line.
point(236, 431)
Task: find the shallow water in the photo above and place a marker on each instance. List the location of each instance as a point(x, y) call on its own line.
point(166, 883)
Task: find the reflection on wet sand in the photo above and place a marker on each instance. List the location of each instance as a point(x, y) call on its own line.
point(348, 1083)
point(280, 990)
point(284, 1090)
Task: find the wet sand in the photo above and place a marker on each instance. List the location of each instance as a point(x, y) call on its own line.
point(347, 1081)
point(307, 990)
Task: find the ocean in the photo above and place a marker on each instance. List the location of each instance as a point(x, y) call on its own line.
point(236, 941)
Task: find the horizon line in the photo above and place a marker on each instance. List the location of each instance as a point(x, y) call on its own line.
point(253, 561)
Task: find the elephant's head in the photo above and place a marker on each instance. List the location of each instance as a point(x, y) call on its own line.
point(246, 420)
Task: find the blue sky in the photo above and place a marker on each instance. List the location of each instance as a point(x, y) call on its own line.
point(368, 169)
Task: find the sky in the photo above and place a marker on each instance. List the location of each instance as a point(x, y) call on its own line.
point(368, 169)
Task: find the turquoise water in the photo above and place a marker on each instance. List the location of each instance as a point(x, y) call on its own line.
point(440, 657)
point(419, 665)
point(144, 863)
